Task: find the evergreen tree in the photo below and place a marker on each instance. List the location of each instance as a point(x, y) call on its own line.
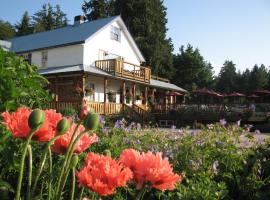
point(95, 9)
point(226, 81)
point(243, 82)
point(258, 78)
point(60, 17)
point(47, 18)
point(6, 30)
point(24, 27)
point(146, 20)
point(191, 69)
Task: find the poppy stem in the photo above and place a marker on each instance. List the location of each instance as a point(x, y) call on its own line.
point(141, 194)
point(73, 184)
point(66, 159)
point(50, 174)
point(20, 177)
point(81, 193)
point(42, 163)
point(30, 163)
point(69, 156)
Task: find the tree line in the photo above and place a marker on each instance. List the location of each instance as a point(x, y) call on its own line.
point(47, 18)
point(147, 20)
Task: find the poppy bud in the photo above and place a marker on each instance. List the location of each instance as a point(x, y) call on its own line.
point(63, 126)
point(36, 119)
point(91, 121)
point(107, 152)
point(74, 161)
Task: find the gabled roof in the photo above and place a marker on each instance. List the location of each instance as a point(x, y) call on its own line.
point(96, 71)
point(69, 35)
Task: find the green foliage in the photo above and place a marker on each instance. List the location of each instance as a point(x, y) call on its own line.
point(247, 82)
point(6, 30)
point(146, 20)
point(20, 83)
point(24, 27)
point(213, 162)
point(49, 18)
point(96, 9)
point(69, 112)
point(227, 77)
point(193, 70)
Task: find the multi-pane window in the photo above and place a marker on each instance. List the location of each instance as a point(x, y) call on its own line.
point(44, 59)
point(115, 33)
point(27, 57)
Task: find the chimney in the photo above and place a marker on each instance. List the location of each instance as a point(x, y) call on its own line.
point(79, 19)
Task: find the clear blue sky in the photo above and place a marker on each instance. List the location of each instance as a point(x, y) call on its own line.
point(238, 30)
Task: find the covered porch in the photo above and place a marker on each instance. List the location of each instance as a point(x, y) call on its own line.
point(108, 95)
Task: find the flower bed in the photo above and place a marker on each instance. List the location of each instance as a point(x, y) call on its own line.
point(123, 161)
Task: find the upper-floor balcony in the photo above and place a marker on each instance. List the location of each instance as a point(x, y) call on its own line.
point(119, 67)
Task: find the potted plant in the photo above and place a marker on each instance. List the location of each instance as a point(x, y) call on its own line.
point(128, 98)
point(111, 96)
point(138, 97)
point(89, 91)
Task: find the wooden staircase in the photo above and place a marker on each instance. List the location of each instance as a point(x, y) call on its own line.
point(137, 113)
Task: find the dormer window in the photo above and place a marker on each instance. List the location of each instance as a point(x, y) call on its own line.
point(44, 59)
point(115, 33)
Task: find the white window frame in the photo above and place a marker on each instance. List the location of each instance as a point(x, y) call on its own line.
point(44, 59)
point(115, 33)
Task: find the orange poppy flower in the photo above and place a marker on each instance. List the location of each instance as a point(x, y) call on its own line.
point(149, 167)
point(102, 174)
point(17, 123)
point(61, 144)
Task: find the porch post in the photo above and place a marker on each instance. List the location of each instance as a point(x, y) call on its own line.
point(83, 88)
point(105, 95)
point(124, 92)
point(56, 88)
point(146, 95)
point(134, 93)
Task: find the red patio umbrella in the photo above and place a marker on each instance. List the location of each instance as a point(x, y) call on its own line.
point(174, 94)
point(262, 92)
point(203, 91)
point(236, 94)
point(253, 96)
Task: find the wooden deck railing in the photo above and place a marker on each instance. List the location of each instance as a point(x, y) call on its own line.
point(160, 78)
point(125, 69)
point(110, 108)
point(60, 105)
point(164, 109)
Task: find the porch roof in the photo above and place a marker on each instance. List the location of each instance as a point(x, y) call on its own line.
point(165, 85)
point(94, 70)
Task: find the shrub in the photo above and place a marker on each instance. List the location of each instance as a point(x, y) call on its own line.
point(20, 83)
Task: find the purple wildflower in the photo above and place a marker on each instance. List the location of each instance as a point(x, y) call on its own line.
point(102, 120)
point(222, 122)
point(106, 130)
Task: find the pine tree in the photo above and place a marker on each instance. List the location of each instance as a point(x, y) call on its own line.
point(192, 71)
point(6, 30)
point(47, 18)
point(95, 9)
point(146, 20)
point(24, 27)
point(60, 17)
point(227, 78)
